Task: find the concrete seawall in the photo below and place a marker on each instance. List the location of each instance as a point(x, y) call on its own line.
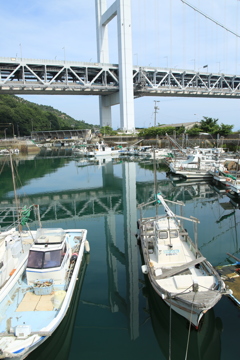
point(24, 146)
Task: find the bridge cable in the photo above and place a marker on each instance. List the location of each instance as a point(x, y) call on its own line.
point(211, 19)
point(236, 55)
point(225, 40)
point(145, 32)
point(170, 30)
point(184, 34)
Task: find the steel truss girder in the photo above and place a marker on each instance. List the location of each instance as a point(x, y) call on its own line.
point(27, 77)
point(152, 81)
point(58, 77)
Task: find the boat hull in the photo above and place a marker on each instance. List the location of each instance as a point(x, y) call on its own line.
point(42, 323)
point(188, 309)
point(178, 273)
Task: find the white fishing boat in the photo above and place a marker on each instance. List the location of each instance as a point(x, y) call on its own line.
point(14, 241)
point(101, 149)
point(160, 153)
point(14, 249)
point(9, 151)
point(191, 171)
point(36, 303)
point(177, 270)
point(234, 186)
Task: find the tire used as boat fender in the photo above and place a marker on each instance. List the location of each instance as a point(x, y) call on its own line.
point(74, 257)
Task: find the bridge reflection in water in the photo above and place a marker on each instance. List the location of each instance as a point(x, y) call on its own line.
point(112, 193)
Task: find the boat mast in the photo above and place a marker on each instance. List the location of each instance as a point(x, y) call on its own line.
point(155, 178)
point(15, 192)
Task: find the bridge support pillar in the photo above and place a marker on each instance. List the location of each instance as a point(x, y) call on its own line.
point(121, 9)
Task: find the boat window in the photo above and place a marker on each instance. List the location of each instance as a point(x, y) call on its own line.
point(45, 260)
point(163, 235)
point(35, 259)
point(52, 259)
point(173, 233)
point(63, 252)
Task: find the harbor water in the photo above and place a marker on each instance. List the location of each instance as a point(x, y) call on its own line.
point(115, 314)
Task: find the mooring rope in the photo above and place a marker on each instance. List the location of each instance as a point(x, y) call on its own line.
point(170, 333)
point(189, 329)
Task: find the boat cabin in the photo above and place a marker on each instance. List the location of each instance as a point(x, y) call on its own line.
point(49, 256)
point(167, 248)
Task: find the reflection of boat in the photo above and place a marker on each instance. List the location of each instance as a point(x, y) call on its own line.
point(175, 337)
point(57, 346)
point(177, 270)
point(35, 306)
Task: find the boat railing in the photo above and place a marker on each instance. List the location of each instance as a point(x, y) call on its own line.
point(12, 216)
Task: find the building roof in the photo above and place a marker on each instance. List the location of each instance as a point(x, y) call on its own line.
point(185, 124)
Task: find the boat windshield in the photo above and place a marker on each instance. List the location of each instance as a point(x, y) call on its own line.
point(44, 259)
point(173, 233)
point(163, 234)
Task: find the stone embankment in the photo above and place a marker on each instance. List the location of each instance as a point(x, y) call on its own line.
point(27, 147)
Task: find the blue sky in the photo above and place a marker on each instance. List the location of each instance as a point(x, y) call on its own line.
point(164, 33)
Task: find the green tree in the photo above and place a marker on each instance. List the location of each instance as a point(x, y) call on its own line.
point(209, 125)
point(225, 129)
point(195, 130)
point(107, 130)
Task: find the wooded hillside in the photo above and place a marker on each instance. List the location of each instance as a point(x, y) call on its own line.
point(20, 117)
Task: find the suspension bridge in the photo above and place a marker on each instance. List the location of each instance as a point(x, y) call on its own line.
point(123, 82)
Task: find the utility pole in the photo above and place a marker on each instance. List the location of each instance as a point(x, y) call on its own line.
point(156, 108)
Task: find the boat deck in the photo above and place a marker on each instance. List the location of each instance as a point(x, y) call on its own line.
point(176, 257)
point(25, 307)
point(231, 276)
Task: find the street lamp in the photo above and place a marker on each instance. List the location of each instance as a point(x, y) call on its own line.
point(156, 108)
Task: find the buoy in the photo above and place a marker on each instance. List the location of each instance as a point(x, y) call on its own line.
point(87, 246)
point(144, 269)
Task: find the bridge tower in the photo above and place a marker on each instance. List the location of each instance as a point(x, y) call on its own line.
point(121, 9)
